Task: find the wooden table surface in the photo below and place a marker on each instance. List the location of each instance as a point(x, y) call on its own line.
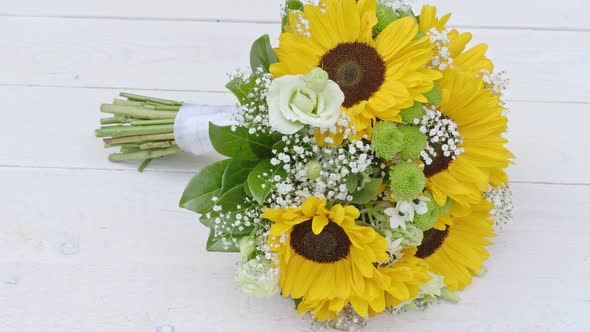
point(87, 245)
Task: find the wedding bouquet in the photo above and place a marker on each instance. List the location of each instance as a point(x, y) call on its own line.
point(365, 168)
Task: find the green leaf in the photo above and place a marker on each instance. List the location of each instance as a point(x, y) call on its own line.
point(231, 203)
point(236, 173)
point(260, 180)
point(203, 187)
point(434, 96)
point(352, 182)
point(215, 244)
point(293, 5)
point(240, 144)
point(241, 88)
point(262, 54)
point(368, 192)
point(297, 301)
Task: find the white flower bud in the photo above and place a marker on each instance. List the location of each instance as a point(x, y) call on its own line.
point(317, 79)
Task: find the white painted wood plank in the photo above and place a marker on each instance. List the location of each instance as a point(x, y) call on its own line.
point(55, 128)
point(544, 65)
point(135, 262)
point(498, 13)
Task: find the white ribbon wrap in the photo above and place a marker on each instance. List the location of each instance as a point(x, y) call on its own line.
point(191, 126)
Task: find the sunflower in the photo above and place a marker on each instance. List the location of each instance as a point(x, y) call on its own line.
point(322, 254)
point(473, 117)
point(473, 60)
point(379, 76)
point(391, 286)
point(458, 252)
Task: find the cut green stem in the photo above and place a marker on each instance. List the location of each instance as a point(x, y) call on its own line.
point(146, 154)
point(141, 98)
point(139, 138)
point(137, 112)
point(143, 165)
point(151, 122)
point(156, 145)
point(119, 131)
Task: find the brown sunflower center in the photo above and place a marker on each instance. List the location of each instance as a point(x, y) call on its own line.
point(444, 142)
point(330, 246)
point(439, 164)
point(357, 68)
point(433, 240)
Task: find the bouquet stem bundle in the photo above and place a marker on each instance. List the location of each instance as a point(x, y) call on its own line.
point(142, 127)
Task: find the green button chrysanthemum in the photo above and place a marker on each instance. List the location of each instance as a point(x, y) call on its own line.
point(387, 140)
point(406, 180)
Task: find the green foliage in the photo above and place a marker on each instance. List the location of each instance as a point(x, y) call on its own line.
point(414, 142)
point(262, 55)
point(203, 187)
point(434, 96)
point(406, 181)
point(368, 192)
point(385, 16)
point(414, 112)
point(241, 88)
point(240, 144)
point(261, 179)
point(387, 140)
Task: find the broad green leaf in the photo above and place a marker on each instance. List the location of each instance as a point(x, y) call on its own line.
point(203, 187)
point(241, 89)
point(215, 244)
point(239, 143)
point(260, 180)
point(236, 173)
point(352, 182)
point(262, 54)
point(368, 192)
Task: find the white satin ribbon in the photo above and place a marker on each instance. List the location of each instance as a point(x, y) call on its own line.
point(191, 126)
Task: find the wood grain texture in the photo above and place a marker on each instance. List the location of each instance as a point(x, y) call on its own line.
point(122, 257)
point(494, 13)
point(544, 65)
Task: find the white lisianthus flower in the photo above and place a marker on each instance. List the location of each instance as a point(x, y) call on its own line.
point(296, 100)
point(256, 277)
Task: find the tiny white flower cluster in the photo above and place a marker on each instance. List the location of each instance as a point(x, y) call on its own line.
point(497, 83)
point(334, 164)
point(253, 114)
point(300, 26)
point(398, 5)
point(442, 57)
point(224, 224)
point(502, 212)
point(348, 320)
point(442, 133)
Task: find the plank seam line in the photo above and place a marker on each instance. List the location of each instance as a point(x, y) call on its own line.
point(237, 20)
point(66, 168)
point(227, 92)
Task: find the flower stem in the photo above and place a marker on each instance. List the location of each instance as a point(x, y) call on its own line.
point(138, 139)
point(134, 97)
point(118, 131)
point(137, 112)
point(144, 165)
point(154, 145)
point(146, 154)
point(151, 122)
